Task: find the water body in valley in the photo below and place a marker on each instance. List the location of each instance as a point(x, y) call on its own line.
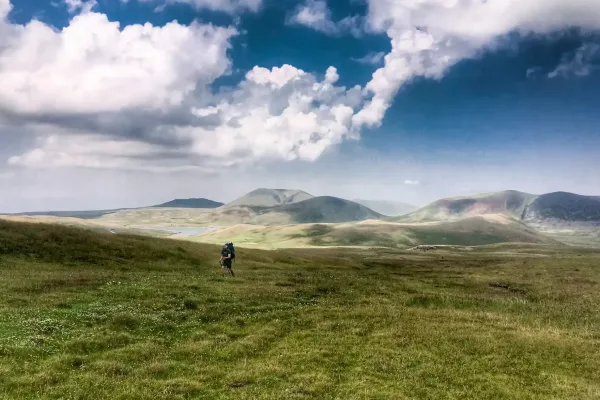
point(180, 231)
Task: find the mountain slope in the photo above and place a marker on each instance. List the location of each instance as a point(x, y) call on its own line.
point(191, 203)
point(315, 209)
point(83, 214)
point(472, 231)
point(571, 218)
point(327, 209)
point(479, 230)
point(386, 207)
point(322, 209)
point(563, 206)
point(93, 214)
point(567, 217)
point(269, 198)
point(510, 203)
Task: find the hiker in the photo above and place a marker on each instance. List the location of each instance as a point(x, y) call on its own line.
point(226, 256)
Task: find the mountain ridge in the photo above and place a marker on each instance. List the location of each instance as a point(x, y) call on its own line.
point(567, 217)
point(508, 202)
point(521, 206)
point(193, 202)
point(264, 197)
point(328, 209)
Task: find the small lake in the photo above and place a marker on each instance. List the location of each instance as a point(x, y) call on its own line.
point(180, 231)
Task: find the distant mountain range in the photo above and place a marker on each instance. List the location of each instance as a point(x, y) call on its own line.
point(511, 203)
point(562, 206)
point(567, 217)
point(285, 206)
point(270, 198)
point(191, 203)
point(525, 207)
point(303, 207)
point(386, 207)
point(93, 214)
point(326, 209)
point(83, 214)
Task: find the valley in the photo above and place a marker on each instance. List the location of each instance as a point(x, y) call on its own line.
point(284, 218)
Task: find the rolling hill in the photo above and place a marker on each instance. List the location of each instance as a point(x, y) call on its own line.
point(130, 317)
point(324, 209)
point(385, 207)
point(568, 217)
point(94, 214)
point(313, 209)
point(82, 214)
point(571, 218)
point(563, 206)
point(473, 231)
point(190, 203)
point(510, 203)
point(281, 216)
point(554, 207)
point(269, 198)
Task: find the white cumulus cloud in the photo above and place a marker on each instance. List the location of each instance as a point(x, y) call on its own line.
point(315, 14)
point(94, 66)
point(99, 95)
point(5, 7)
point(271, 115)
point(93, 151)
point(411, 182)
point(138, 97)
point(282, 113)
point(429, 36)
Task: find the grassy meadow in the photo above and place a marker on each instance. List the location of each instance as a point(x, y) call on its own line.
point(472, 232)
point(87, 315)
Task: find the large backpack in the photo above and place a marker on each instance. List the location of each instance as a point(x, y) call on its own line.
point(231, 249)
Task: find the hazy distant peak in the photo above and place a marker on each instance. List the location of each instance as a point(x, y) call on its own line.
point(387, 207)
point(264, 197)
point(191, 203)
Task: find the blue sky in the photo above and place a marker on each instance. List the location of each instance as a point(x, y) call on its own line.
point(96, 117)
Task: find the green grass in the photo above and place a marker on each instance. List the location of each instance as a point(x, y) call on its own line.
point(89, 315)
point(474, 232)
point(433, 236)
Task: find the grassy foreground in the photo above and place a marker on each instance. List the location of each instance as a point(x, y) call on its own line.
point(85, 315)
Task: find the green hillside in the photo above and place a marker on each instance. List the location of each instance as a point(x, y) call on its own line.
point(86, 315)
point(326, 209)
point(568, 207)
point(510, 202)
point(314, 209)
point(191, 203)
point(473, 231)
point(508, 216)
point(477, 231)
point(557, 206)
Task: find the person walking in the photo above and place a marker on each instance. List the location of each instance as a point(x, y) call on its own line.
point(225, 260)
